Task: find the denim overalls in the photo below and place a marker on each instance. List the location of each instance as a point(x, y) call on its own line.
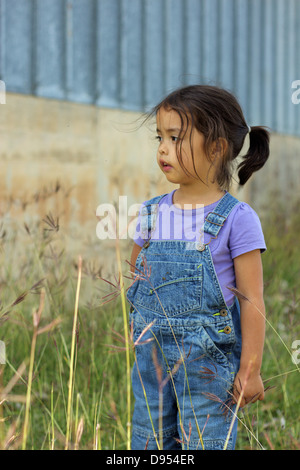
point(188, 342)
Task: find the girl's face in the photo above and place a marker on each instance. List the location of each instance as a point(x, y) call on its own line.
point(172, 141)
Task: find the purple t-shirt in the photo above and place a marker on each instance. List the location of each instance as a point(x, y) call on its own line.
point(240, 234)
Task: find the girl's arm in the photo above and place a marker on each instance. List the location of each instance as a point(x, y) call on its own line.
point(249, 282)
point(134, 254)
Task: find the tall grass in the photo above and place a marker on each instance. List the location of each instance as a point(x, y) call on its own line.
point(275, 421)
point(66, 381)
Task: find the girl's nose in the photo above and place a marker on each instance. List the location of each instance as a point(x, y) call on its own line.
point(163, 148)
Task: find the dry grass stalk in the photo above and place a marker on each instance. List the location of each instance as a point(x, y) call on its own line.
point(79, 432)
point(36, 318)
point(248, 372)
point(127, 346)
point(36, 321)
point(5, 392)
point(71, 367)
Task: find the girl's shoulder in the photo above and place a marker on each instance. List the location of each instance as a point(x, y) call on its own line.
point(245, 230)
point(158, 199)
point(242, 212)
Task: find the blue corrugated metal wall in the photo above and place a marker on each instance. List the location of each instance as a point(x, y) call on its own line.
point(129, 53)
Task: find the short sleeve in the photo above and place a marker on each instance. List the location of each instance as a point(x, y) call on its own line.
point(246, 232)
point(138, 236)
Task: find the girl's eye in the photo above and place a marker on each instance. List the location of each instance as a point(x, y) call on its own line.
point(173, 138)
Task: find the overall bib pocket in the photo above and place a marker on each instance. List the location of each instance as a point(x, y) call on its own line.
point(172, 288)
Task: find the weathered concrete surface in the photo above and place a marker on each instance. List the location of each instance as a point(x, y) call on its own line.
point(99, 153)
point(68, 158)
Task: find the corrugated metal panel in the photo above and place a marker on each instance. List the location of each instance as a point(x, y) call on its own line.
point(129, 53)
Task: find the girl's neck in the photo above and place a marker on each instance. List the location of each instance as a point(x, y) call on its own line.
point(206, 196)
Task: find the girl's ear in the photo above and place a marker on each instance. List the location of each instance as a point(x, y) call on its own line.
point(218, 148)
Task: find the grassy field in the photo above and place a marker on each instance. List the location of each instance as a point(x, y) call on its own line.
point(65, 382)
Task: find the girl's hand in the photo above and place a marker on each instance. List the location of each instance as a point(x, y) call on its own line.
point(253, 388)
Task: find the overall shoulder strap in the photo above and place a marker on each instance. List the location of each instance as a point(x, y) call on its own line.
point(148, 215)
point(215, 220)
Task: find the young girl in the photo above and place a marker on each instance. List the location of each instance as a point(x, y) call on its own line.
point(198, 346)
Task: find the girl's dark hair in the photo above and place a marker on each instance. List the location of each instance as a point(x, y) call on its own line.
point(217, 114)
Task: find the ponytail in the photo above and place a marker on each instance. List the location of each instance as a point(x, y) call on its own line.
point(257, 154)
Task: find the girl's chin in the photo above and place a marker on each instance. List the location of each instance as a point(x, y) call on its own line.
point(172, 178)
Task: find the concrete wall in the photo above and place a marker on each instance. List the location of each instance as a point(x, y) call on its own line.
point(68, 158)
point(278, 180)
point(128, 54)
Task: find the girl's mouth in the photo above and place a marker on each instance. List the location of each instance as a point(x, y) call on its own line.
point(165, 166)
